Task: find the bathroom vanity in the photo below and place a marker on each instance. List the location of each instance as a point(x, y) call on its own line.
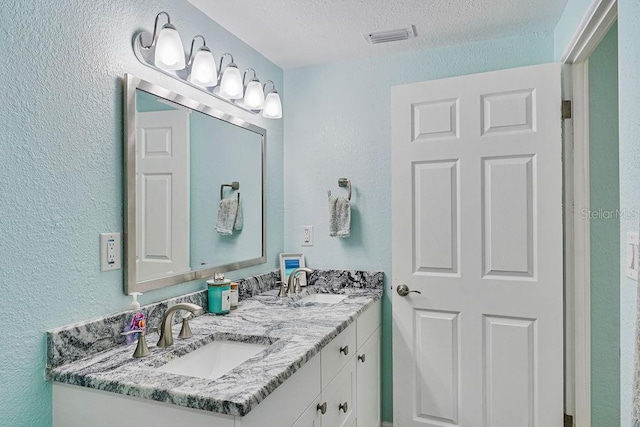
point(309, 362)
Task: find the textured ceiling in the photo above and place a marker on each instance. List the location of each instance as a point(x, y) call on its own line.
point(296, 33)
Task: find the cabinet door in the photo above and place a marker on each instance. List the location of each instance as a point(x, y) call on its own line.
point(367, 323)
point(340, 396)
point(337, 353)
point(312, 417)
point(368, 382)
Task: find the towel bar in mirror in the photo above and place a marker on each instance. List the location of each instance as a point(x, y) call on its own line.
point(235, 185)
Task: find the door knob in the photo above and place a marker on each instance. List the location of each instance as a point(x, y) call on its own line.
point(344, 407)
point(403, 290)
point(344, 350)
point(362, 357)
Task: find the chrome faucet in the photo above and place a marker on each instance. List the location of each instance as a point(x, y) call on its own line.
point(294, 281)
point(166, 336)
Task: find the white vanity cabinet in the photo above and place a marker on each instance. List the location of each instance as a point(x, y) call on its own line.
point(351, 381)
point(345, 377)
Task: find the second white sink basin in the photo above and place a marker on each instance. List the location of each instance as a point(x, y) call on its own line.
point(323, 298)
point(213, 360)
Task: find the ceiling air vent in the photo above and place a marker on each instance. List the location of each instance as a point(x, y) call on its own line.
point(391, 35)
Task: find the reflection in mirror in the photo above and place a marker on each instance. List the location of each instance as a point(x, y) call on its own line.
point(185, 158)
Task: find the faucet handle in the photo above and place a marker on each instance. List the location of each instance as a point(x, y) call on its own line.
point(297, 288)
point(283, 288)
point(185, 331)
point(142, 349)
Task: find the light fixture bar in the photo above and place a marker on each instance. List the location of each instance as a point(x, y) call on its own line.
point(145, 50)
point(140, 54)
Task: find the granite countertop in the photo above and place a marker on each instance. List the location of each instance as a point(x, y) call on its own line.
point(294, 331)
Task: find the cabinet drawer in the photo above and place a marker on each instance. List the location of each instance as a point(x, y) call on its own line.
point(341, 398)
point(368, 322)
point(336, 354)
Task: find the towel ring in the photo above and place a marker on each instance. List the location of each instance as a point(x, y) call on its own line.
point(235, 185)
point(343, 182)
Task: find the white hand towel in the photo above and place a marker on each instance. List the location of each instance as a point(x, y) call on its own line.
point(227, 215)
point(339, 217)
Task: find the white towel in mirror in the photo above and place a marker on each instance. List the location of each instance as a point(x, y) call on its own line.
point(229, 216)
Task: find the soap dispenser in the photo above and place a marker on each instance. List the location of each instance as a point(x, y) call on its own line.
point(136, 321)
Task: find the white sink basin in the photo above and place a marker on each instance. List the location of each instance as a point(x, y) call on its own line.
point(323, 298)
point(213, 360)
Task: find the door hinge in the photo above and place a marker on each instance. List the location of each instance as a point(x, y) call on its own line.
point(566, 109)
point(568, 420)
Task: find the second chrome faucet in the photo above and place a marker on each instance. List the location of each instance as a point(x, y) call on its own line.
point(293, 286)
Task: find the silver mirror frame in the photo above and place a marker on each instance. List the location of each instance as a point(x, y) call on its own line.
point(131, 284)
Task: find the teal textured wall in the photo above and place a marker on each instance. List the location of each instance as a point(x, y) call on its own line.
point(571, 18)
point(605, 232)
point(338, 125)
point(61, 170)
point(629, 106)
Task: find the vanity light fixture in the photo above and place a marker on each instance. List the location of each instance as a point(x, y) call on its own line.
point(162, 50)
point(253, 92)
point(202, 65)
point(167, 45)
point(272, 105)
point(230, 81)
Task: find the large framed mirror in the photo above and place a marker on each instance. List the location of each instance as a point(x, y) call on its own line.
point(195, 189)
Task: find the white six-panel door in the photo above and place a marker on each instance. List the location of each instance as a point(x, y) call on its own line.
point(162, 199)
point(477, 229)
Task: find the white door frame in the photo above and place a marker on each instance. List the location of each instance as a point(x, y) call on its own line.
point(598, 19)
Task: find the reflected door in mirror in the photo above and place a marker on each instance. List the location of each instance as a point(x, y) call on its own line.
point(162, 185)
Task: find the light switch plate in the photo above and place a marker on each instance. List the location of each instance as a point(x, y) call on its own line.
point(110, 252)
point(632, 255)
point(306, 238)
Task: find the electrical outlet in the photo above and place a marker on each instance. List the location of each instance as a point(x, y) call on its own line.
point(307, 235)
point(110, 253)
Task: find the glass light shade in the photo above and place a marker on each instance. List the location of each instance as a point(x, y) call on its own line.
point(272, 106)
point(169, 50)
point(254, 95)
point(203, 69)
point(231, 83)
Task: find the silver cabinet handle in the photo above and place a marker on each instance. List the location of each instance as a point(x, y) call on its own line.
point(344, 350)
point(322, 408)
point(344, 407)
point(362, 357)
point(403, 291)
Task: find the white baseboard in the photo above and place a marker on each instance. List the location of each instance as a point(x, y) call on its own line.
point(386, 424)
